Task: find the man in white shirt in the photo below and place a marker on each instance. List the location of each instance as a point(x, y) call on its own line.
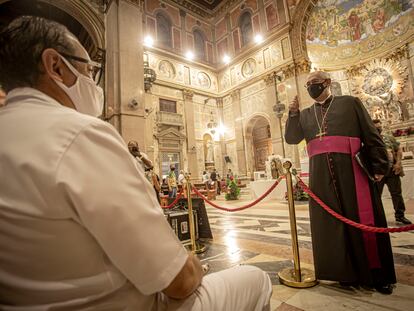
point(79, 226)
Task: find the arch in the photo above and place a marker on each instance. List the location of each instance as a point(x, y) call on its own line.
point(253, 120)
point(199, 43)
point(258, 142)
point(298, 33)
point(164, 29)
point(85, 15)
point(246, 27)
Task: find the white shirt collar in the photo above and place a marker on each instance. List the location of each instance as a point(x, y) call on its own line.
point(24, 93)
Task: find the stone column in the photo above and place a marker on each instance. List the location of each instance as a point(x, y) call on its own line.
point(190, 133)
point(295, 75)
point(124, 72)
point(219, 103)
point(238, 128)
point(274, 121)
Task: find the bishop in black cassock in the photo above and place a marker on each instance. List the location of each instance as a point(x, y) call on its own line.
point(343, 253)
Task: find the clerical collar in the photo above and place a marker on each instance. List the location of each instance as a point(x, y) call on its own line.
point(326, 102)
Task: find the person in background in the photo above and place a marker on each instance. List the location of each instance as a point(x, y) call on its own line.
point(143, 160)
point(181, 178)
point(79, 225)
point(393, 178)
point(218, 184)
point(205, 179)
point(229, 174)
point(141, 157)
point(172, 182)
point(213, 178)
point(164, 187)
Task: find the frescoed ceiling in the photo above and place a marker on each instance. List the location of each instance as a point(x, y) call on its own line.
point(344, 31)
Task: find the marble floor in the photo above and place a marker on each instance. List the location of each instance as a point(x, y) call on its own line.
point(261, 236)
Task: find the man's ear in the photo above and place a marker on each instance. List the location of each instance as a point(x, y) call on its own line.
point(53, 64)
point(328, 82)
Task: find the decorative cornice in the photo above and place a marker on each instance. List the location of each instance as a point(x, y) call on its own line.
point(288, 71)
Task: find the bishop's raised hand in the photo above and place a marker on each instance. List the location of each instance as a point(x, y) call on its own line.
point(294, 105)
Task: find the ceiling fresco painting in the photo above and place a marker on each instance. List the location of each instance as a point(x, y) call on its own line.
point(340, 30)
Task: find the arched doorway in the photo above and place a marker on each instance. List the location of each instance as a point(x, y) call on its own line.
point(258, 143)
point(77, 16)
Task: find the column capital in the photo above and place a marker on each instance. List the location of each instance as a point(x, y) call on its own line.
point(288, 71)
point(269, 79)
point(235, 95)
point(303, 66)
point(188, 94)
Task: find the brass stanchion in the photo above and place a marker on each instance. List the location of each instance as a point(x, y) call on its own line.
point(195, 246)
point(296, 277)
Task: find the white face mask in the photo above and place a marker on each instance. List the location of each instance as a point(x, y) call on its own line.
point(87, 97)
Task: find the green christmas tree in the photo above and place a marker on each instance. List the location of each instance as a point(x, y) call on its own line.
point(234, 190)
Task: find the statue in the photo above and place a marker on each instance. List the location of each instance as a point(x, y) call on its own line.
point(273, 169)
point(210, 152)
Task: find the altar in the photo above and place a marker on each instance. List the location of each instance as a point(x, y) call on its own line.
point(258, 187)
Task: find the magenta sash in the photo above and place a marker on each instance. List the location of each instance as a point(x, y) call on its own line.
point(351, 145)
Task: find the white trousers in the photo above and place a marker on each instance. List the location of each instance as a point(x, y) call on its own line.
point(241, 288)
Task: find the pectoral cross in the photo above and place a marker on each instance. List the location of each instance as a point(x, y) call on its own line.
point(320, 134)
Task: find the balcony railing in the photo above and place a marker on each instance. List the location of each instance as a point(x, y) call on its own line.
point(170, 118)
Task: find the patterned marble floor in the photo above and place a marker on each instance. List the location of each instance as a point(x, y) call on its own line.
point(261, 236)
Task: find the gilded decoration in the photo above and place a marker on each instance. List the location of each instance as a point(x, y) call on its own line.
point(379, 85)
point(344, 31)
point(249, 67)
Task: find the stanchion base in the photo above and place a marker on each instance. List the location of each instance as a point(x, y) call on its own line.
point(287, 277)
point(200, 248)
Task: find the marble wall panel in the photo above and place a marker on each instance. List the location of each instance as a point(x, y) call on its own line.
point(229, 122)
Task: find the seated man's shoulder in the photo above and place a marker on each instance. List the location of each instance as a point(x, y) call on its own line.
point(76, 122)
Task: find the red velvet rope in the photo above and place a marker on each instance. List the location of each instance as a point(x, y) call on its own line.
point(179, 195)
point(348, 221)
point(241, 207)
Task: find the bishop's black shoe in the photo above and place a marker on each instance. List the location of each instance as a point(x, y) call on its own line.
point(403, 220)
point(385, 289)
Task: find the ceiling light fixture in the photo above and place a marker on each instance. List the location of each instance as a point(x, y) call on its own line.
point(189, 55)
point(258, 38)
point(148, 41)
point(226, 59)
